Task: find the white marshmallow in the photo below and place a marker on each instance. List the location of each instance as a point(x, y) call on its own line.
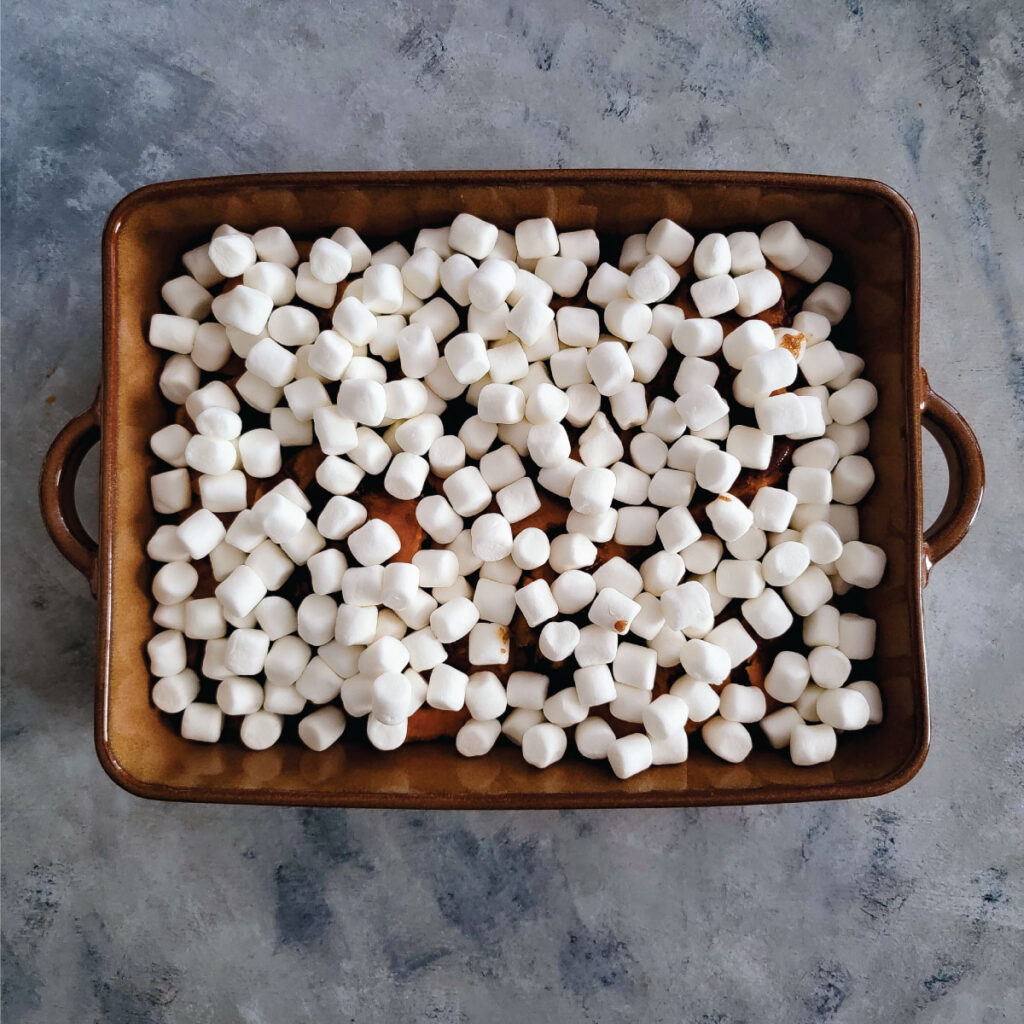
point(860, 564)
point(593, 737)
point(697, 337)
point(580, 245)
point(628, 319)
point(757, 291)
point(388, 737)
point(285, 661)
point(485, 696)
point(204, 619)
point(785, 563)
point(780, 414)
point(728, 740)
point(584, 402)
point(807, 592)
point(322, 728)
point(652, 280)
point(340, 516)
point(701, 699)
point(202, 723)
point(200, 533)
point(767, 614)
point(536, 602)
point(714, 296)
point(453, 620)
point(670, 241)
point(852, 478)
point(784, 245)
point(467, 491)
point(548, 404)
point(857, 636)
point(383, 292)
point(592, 490)
point(822, 542)
point(850, 437)
point(701, 406)
point(167, 654)
point(578, 328)
point(634, 249)
point(354, 322)
point(242, 307)
point(830, 300)
point(744, 704)
point(437, 517)
point(812, 744)
point(174, 693)
point(198, 263)
point(564, 708)
point(374, 542)
point(629, 703)
point(473, 236)
point(477, 738)
point(293, 326)
point(491, 284)
point(845, 709)
point(609, 366)
point(630, 755)
point(501, 403)
point(544, 744)
point(566, 276)
point(706, 661)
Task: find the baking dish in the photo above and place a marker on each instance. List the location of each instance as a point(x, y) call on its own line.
point(874, 233)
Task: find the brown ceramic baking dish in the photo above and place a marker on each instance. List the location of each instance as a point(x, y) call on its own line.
point(875, 234)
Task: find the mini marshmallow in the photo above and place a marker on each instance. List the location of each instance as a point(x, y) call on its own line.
point(166, 652)
point(812, 744)
point(630, 755)
point(634, 248)
point(370, 451)
point(548, 404)
point(627, 319)
point(285, 660)
point(477, 738)
point(453, 620)
point(501, 403)
point(178, 378)
point(204, 619)
point(784, 245)
point(629, 704)
point(785, 563)
point(244, 308)
point(729, 517)
point(807, 592)
point(198, 263)
point(405, 476)
point(260, 452)
point(200, 533)
point(275, 279)
point(437, 517)
point(823, 542)
point(757, 291)
point(489, 644)
point(276, 617)
point(592, 490)
point(780, 414)
point(354, 322)
point(271, 362)
point(293, 326)
point(202, 723)
point(374, 542)
point(845, 709)
point(765, 372)
point(652, 280)
point(670, 241)
point(714, 296)
point(697, 337)
point(491, 537)
point(536, 602)
point(860, 564)
point(701, 406)
point(566, 276)
point(728, 740)
point(609, 367)
point(635, 665)
point(548, 444)
point(485, 696)
point(815, 263)
point(174, 693)
point(447, 454)
point(544, 744)
point(473, 236)
point(169, 444)
point(752, 545)
point(716, 471)
point(340, 516)
point(712, 257)
point(739, 578)
point(564, 708)
point(389, 737)
point(383, 292)
point(580, 245)
point(210, 455)
point(636, 527)
point(707, 661)
point(322, 728)
point(830, 300)
point(857, 636)
point(595, 685)
point(593, 737)
point(744, 704)
point(852, 478)
point(466, 355)
point(584, 402)
point(701, 699)
point(767, 614)
point(171, 491)
point(578, 328)
point(677, 529)
point(849, 437)
point(491, 284)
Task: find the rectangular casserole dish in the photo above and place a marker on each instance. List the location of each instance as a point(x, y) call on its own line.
point(873, 232)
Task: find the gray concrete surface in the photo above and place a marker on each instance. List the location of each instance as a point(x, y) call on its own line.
point(905, 908)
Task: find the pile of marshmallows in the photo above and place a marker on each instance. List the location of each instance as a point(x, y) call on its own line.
point(467, 315)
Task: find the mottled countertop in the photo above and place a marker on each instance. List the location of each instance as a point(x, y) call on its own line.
point(907, 907)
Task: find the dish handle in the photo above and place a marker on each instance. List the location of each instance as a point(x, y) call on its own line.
point(57, 491)
point(966, 476)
